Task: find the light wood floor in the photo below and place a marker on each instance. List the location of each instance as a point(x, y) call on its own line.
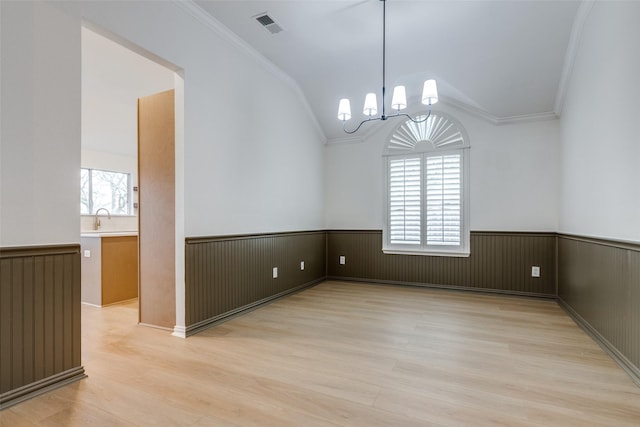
point(346, 354)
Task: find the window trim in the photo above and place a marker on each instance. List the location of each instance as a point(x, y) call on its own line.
point(424, 150)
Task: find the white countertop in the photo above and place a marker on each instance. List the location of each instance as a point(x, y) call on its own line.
point(99, 233)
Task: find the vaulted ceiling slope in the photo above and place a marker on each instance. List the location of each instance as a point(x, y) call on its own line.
point(501, 59)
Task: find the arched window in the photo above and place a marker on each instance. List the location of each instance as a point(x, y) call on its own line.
point(427, 188)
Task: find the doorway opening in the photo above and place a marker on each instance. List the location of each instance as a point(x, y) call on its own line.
point(115, 75)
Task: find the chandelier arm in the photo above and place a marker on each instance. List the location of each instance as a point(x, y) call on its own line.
point(344, 125)
point(409, 117)
point(420, 121)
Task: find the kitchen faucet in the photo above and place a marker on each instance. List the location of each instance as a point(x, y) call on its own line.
point(96, 220)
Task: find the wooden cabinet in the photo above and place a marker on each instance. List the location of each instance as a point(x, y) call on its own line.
point(119, 269)
point(110, 272)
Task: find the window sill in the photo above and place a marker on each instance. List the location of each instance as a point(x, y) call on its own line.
point(456, 254)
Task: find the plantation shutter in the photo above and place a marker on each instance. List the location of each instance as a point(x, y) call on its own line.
point(443, 184)
point(427, 188)
point(405, 201)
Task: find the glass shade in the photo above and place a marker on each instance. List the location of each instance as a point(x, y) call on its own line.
point(399, 99)
point(430, 92)
point(344, 109)
point(370, 105)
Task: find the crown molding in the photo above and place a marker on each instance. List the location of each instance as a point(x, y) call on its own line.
point(526, 118)
point(485, 115)
point(572, 51)
point(346, 140)
point(202, 16)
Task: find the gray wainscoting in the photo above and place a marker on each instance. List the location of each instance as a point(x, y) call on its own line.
point(40, 320)
point(499, 262)
point(599, 285)
point(229, 274)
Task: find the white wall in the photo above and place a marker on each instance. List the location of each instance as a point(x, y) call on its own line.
point(256, 155)
point(252, 155)
point(600, 127)
point(40, 136)
point(514, 176)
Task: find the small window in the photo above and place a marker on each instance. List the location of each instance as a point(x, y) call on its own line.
point(427, 194)
point(105, 189)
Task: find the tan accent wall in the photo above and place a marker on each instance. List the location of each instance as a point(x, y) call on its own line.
point(156, 214)
point(499, 262)
point(599, 284)
point(39, 320)
point(226, 275)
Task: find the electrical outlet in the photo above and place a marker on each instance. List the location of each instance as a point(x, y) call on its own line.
point(275, 272)
point(343, 260)
point(87, 253)
point(535, 271)
point(301, 265)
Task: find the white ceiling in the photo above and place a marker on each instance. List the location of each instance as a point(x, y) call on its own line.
point(501, 58)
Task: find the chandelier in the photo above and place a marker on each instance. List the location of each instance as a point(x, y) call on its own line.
point(398, 100)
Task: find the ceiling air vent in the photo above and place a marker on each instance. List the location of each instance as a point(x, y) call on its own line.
point(267, 22)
